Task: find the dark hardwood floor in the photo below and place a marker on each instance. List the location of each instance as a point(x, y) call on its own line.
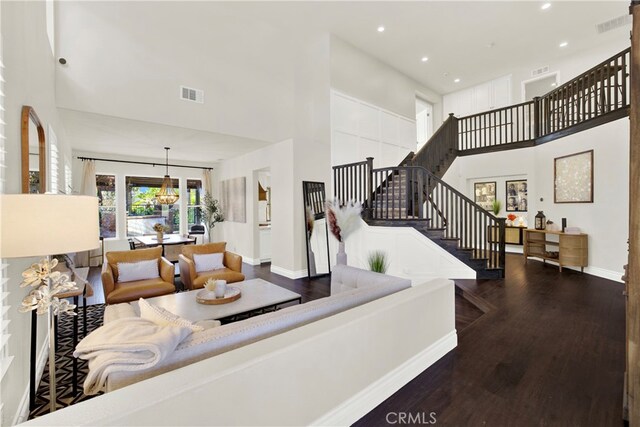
point(548, 352)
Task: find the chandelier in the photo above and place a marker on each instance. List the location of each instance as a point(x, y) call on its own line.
point(167, 195)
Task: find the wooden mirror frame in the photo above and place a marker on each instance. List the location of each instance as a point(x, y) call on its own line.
point(29, 114)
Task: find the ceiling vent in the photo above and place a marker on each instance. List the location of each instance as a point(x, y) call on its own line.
point(190, 94)
point(612, 24)
point(539, 71)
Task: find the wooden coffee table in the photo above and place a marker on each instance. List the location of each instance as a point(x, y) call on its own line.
point(258, 296)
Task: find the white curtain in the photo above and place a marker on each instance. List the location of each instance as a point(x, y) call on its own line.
point(88, 188)
point(206, 181)
point(206, 188)
point(89, 178)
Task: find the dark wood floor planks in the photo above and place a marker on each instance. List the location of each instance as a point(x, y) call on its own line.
point(551, 352)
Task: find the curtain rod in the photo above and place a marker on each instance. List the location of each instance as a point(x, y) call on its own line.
point(142, 163)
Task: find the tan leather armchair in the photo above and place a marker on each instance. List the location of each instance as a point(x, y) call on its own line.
point(115, 292)
point(232, 271)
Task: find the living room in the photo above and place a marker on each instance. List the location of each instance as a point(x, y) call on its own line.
point(291, 90)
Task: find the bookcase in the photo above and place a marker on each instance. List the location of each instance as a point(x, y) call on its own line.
point(572, 249)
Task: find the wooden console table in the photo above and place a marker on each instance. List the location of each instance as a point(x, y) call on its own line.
point(573, 249)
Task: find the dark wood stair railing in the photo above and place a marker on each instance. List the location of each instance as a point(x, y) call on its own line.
point(595, 97)
point(413, 196)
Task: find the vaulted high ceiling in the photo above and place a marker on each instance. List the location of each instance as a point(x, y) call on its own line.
point(126, 60)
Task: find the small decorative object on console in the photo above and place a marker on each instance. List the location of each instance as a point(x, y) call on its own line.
point(572, 230)
point(541, 221)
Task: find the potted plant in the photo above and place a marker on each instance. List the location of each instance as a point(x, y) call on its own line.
point(212, 212)
point(496, 207)
point(160, 229)
point(378, 261)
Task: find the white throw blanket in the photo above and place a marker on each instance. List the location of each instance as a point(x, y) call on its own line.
point(126, 344)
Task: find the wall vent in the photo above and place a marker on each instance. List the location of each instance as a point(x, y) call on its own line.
point(193, 95)
point(614, 23)
point(539, 71)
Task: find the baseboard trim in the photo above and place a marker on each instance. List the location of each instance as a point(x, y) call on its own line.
point(22, 414)
point(359, 405)
point(290, 274)
point(615, 276)
point(250, 261)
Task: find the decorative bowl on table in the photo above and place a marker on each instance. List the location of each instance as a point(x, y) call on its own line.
point(209, 297)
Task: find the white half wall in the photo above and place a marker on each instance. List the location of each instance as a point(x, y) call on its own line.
point(411, 254)
point(605, 220)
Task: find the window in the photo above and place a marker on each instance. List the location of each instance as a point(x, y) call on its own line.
point(106, 185)
point(143, 211)
point(5, 358)
point(194, 197)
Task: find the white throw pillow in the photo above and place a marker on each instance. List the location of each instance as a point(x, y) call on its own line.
point(208, 262)
point(141, 270)
point(162, 317)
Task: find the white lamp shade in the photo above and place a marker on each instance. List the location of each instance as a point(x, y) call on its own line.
point(47, 224)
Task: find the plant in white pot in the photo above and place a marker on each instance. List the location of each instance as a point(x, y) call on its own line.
point(212, 212)
point(343, 221)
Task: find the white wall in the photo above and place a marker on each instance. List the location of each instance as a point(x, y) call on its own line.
point(357, 74)
point(242, 238)
point(483, 97)
point(29, 75)
point(360, 130)
point(121, 171)
point(605, 220)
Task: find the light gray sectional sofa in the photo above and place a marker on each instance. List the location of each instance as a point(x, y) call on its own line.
point(350, 287)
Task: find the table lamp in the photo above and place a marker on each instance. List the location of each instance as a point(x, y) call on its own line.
point(34, 225)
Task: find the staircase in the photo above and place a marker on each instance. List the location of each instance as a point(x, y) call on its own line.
point(414, 195)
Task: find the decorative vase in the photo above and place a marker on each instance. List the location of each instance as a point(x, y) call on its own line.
point(159, 235)
point(221, 288)
point(341, 256)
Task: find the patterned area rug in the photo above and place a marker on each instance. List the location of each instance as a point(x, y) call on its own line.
point(66, 395)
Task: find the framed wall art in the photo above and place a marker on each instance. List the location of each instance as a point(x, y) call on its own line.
point(517, 198)
point(573, 178)
point(485, 194)
point(233, 199)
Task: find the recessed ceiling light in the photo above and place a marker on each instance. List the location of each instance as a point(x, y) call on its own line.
point(545, 6)
point(456, 81)
point(424, 59)
point(563, 44)
point(380, 29)
point(553, 84)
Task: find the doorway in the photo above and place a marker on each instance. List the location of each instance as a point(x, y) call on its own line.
point(424, 122)
point(264, 214)
point(539, 86)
